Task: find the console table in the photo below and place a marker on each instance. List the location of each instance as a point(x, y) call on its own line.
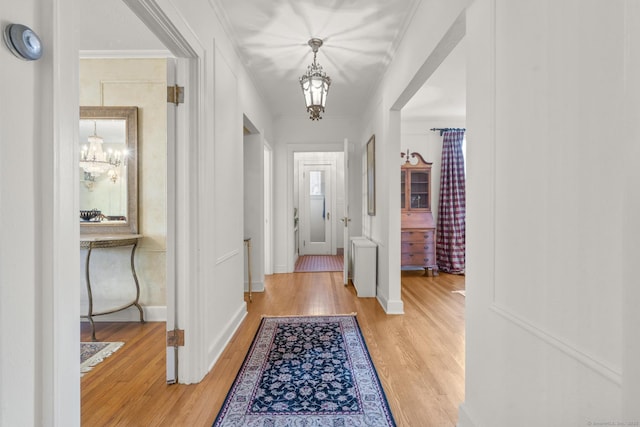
point(101, 241)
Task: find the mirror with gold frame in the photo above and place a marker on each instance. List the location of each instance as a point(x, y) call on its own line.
point(108, 170)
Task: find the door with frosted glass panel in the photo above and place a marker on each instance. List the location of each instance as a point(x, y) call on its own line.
point(315, 212)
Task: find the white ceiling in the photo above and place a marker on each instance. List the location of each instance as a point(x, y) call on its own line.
point(444, 94)
point(360, 37)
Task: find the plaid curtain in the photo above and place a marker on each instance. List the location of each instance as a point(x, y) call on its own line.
point(450, 243)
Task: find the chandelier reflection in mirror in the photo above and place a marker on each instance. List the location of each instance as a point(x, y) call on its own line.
point(95, 161)
point(315, 84)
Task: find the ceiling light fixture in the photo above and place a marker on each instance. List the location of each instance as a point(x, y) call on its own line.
point(315, 84)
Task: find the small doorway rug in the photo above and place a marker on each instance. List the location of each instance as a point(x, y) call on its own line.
point(314, 263)
point(92, 353)
point(306, 371)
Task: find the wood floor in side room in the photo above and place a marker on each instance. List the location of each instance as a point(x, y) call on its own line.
point(419, 356)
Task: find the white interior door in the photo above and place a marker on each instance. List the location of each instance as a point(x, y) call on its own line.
point(175, 120)
point(345, 215)
point(315, 212)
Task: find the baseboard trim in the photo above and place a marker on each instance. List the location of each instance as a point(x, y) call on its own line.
point(255, 287)
point(280, 269)
point(230, 329)
point(390, 306)
point(157, 313)
point(464, 418)
point(595, 365)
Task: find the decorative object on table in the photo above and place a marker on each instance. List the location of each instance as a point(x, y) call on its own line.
point(90, 215)
point(315, 84)
point(317, 263)
point(408, 157)
point(307, 371)
point(92, 353)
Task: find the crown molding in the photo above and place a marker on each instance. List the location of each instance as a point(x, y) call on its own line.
point(112, 54)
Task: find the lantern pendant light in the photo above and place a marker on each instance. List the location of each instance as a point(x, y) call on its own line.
point(315, 84)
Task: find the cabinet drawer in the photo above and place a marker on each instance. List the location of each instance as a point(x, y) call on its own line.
point(416, 247)
point(417, 259)
point(416, 236)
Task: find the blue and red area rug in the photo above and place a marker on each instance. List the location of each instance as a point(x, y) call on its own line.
point(306, 371)
point(92, 353)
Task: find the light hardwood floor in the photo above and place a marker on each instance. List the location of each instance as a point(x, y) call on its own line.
point(419, 356)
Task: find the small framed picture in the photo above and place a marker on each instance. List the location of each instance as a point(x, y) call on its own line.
point(371, 176)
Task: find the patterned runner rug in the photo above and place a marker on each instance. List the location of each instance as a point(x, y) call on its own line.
point(92, 353)
point(312, 263)
point(306, 371)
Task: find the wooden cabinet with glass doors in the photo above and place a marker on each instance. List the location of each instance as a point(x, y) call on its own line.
point(418, 229)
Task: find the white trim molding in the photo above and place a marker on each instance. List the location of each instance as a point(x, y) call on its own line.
point(255, 286)
point(118, 54)
point(595, 365)
point(216, 348)
point(390, 306)
point(227, 256)
point(281, 269)
point(464, 417)
point(153, 313)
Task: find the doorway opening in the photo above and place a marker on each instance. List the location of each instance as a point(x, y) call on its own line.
point(319, 201)
point(257, 164)
point(166, 61)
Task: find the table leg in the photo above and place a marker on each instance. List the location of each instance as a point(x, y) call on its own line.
point(135, 279)
point(90, 296)
point(247, 242)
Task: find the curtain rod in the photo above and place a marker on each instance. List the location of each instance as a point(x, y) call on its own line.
point(443, 130)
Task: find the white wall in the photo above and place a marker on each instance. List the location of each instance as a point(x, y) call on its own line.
point(39, 377)
point(630, 224)
point(546, 341)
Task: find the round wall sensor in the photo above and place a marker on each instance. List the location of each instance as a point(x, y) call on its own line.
point(23, 42)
